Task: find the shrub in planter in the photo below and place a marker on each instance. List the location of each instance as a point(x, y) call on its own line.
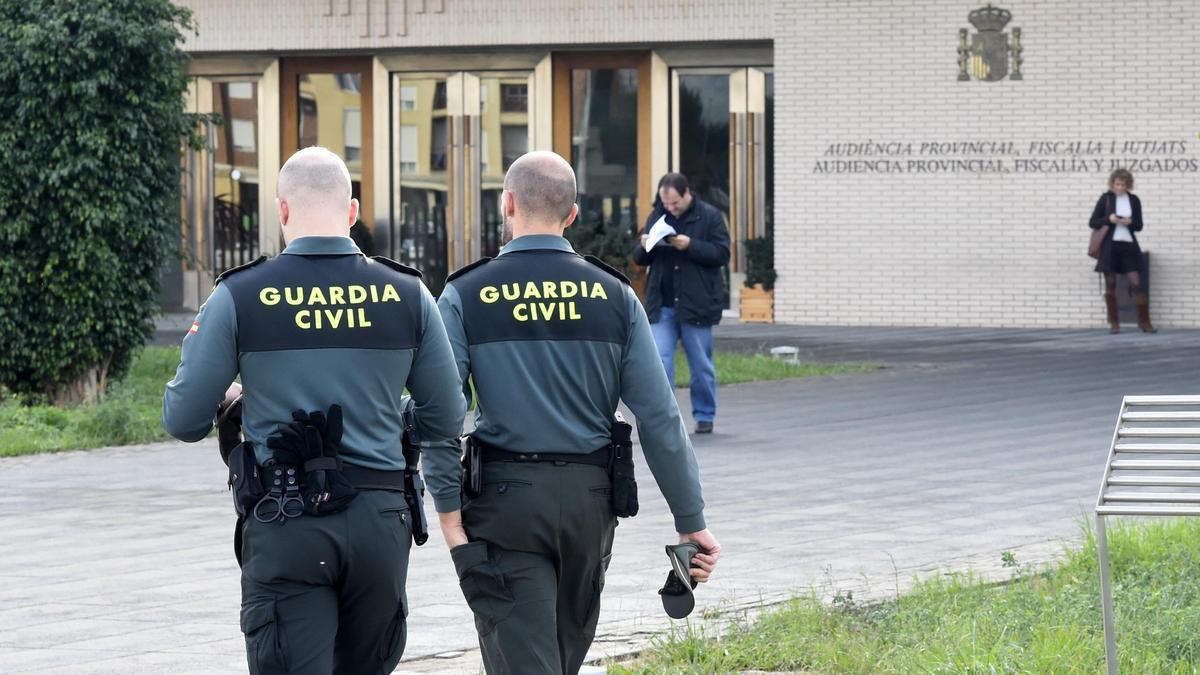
point(760, 262)
point(758, 296)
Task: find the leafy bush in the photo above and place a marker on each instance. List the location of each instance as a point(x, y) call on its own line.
point(760, 262)
point(91, 121)
point(611, 243)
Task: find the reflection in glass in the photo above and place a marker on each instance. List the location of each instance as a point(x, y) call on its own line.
point(704, 142)
point(419, 223)
point(704, 137)
point(604, 150)
point(504, 136)
point(769, 154)
point(330, 110)
point(235, 175)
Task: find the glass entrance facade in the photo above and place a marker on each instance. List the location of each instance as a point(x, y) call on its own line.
point(453, 137)
point(430, 177)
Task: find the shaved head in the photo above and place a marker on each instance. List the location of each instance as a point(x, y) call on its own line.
point(314, 194)
point(543, 187)
point(314, 177)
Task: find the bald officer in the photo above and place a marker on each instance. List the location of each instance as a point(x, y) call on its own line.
point(322, 324)
point(552, 341)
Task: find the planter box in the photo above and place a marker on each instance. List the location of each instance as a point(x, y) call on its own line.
point(757, 305)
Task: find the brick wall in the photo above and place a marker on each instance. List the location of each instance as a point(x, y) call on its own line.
point(315, 25)
point(978, 249)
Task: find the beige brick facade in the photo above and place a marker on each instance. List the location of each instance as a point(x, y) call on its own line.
point(944, 236)
point(325, 25)
point(979, 249)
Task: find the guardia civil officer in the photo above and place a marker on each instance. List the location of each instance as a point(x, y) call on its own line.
point(552, 341)
point(322, 325)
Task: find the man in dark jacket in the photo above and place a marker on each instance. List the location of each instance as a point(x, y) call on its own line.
point(684, 294)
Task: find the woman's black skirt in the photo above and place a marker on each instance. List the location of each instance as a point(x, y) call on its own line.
point(1124, 257)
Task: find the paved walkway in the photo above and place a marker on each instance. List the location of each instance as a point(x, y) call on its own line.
point(971, 443)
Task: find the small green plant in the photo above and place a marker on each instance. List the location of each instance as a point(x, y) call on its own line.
point(760, 262)
point(611, 243)
point(1008, 559)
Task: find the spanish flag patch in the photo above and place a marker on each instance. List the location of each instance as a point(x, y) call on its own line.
point(195, 327)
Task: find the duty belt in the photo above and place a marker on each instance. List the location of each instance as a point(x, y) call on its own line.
point(598, 458)
point(373, 479)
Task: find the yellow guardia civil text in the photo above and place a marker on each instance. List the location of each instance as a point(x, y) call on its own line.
point(544, 300)
point(330, 307)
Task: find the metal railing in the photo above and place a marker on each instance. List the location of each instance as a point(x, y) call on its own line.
point(1153, 469)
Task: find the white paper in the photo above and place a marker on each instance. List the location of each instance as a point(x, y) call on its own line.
point(659, 230)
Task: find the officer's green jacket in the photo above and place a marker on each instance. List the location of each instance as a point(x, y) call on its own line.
point(552, 342)
point(320, 324)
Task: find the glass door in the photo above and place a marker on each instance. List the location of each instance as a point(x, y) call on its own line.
point(453, 136)
point(602, 125)
point(722, 140)
point(221, 201)
point(327, 102)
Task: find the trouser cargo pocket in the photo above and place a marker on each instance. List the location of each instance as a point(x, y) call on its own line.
point(266, 651)
point(483, 584)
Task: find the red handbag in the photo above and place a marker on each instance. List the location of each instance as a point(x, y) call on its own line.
point(1097, 241)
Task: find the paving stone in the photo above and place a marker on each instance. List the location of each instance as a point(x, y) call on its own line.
point(970, 443)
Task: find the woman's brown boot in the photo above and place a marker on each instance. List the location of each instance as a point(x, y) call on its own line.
point(1143, 309)
point(1110, 302)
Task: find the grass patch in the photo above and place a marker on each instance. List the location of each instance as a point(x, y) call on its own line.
point(735, 367)
point(131, 413)
point(1041, 622)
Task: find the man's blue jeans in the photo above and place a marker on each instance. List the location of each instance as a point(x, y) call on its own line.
point(697, 345)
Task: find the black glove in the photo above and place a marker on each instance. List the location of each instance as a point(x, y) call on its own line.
point(311, 443)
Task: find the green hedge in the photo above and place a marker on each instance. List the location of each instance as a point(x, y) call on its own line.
point(91, 124)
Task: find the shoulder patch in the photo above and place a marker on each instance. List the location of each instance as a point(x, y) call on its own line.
point(607, 268)
point(459, 272)
point(399, 267)
point(239, 268)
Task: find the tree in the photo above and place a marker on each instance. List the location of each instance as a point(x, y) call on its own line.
point(92, 117)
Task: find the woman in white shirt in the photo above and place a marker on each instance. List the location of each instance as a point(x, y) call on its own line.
point(1121, 211)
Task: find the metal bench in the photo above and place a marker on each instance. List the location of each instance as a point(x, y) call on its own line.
point(1153, 469)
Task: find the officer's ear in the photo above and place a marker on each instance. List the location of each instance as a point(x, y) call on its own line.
point(508, 205)
point(571, 216)
point(353, 212)
point(284, 211)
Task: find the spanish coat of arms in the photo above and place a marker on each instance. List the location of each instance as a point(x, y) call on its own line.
point(986, 57)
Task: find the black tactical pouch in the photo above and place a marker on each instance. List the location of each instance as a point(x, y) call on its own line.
point(472, 461)
point(245, 479)
point(620, 469)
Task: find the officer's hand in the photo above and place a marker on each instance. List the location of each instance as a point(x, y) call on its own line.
point(452, 529)
point(231, 394)
point(681, 242)
point(703, 563)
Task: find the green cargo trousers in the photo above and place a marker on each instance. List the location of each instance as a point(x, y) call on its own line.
point(325, 594)
point(541, 536)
